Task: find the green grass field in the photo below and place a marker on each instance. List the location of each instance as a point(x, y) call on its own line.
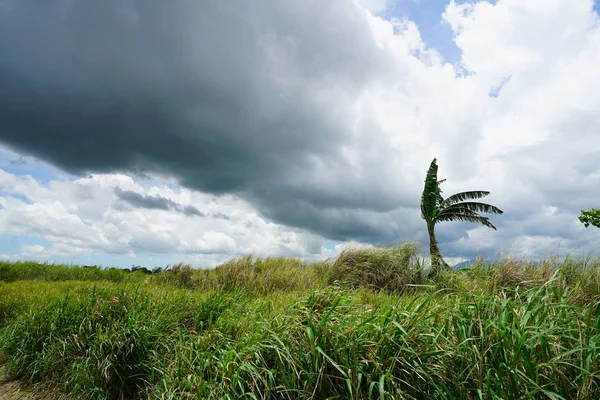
point(369, 325)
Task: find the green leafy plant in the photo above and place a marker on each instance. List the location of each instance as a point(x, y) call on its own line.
point(458, 207)
point(512, 329)
point(590, 217)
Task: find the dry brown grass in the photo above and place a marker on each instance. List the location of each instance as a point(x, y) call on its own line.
point(396, 269)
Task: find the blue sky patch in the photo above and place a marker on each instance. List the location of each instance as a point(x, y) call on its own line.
point(495, 91)
point(11, 244)
point(427, 15)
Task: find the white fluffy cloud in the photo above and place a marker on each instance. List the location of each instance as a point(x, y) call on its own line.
point(84, 217)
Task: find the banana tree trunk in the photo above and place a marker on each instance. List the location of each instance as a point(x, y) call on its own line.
point(434, 252)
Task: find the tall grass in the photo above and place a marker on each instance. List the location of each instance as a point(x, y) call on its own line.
point(258, 275)
point(285, 329)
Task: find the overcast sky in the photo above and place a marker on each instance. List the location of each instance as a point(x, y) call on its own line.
point(149, 132)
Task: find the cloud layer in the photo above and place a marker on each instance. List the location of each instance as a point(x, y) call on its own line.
point(85, 217)
point(317, 115)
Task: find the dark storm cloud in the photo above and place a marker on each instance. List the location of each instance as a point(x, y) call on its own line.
point(139, 200)
point(220, 95)
point(220, 216)
point(142, 201)
point(191, 211)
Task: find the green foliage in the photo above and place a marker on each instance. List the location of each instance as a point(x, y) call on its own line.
point(512, 329)
point(431, 197)
point(590, 217)
point(94, 344)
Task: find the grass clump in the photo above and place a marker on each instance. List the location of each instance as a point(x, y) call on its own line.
point(396, 269)
point(179, 275)
point(96, 344)
point(266, 275)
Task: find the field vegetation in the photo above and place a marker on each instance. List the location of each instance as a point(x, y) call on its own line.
point(367, 325)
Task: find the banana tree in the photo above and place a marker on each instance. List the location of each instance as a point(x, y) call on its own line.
point(458, 207)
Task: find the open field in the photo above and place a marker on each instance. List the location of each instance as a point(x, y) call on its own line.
point(369, 325)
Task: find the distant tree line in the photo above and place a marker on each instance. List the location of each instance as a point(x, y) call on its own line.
point(134, 268)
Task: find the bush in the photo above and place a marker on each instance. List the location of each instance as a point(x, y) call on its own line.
point(396, 269)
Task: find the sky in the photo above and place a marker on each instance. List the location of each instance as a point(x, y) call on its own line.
point(149, 132)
